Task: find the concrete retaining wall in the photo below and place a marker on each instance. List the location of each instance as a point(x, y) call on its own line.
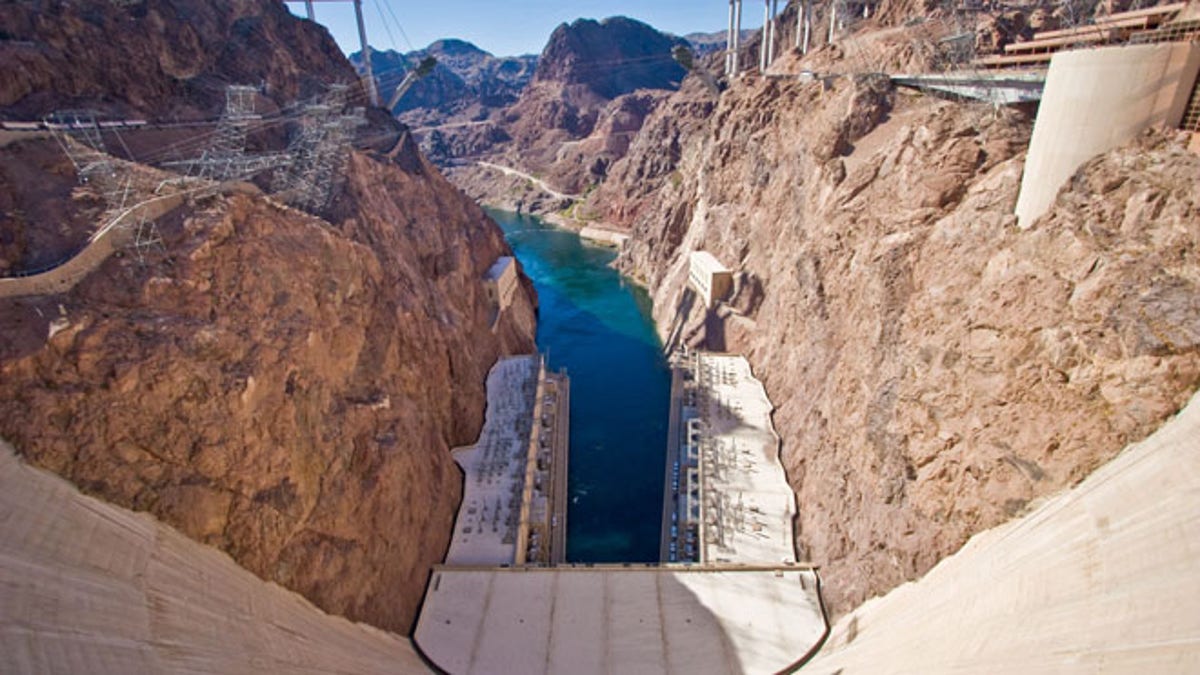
point(1095, 100)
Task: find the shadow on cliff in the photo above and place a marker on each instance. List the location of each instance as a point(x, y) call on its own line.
point(683, 309)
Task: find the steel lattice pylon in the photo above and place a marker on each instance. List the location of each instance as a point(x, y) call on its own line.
point(226, 158)
point(78, 134)
point(222, 160)
point(319, 152)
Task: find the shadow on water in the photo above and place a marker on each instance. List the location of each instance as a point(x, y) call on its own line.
point(598, 327)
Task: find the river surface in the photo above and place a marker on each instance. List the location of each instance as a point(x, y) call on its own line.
point(598, 326)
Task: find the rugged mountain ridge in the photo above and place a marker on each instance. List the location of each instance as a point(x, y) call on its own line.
point(935, 369)
point(467, 85)
point(595, 84)
point(282, 385)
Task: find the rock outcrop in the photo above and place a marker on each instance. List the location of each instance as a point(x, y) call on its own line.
point(935, 369)
point(166, 59)
point(282, 387)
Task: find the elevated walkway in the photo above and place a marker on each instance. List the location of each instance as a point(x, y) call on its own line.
point(998, 88)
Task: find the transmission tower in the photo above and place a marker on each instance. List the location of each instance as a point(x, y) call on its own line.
point(226, 157)
point(78, 134)
point(145, 238)
point(229, 149)
point(319, 152)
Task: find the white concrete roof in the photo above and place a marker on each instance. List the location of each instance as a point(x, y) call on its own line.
point(499, 267)
point(1102, 578)
point(88, 587)
point(495, 468)
point(745, 489)
point(707, 262)
point(612, 619)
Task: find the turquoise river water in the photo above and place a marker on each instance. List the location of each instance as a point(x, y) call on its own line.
point(598, 327)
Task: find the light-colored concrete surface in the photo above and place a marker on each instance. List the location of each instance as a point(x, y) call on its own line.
point(558, 404)
point(1102, 578)
point(1095, 100)
point(87, 587)
point(501, 284)
point(614, 619)
point(604, 236)
point(485, 531)
point(709, 277)
point(747, 506)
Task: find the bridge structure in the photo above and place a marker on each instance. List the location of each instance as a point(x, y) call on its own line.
point(369, 73)
point(1015, 76)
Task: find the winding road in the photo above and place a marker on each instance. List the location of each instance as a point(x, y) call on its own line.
point(509, 171)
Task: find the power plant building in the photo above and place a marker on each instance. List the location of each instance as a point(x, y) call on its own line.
point(712, 280)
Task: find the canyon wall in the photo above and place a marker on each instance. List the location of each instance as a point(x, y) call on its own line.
point(595, 84)
point(935, 369)
point(467, 85)
point(1098, 578)
point(164, 59)
point(281, 385)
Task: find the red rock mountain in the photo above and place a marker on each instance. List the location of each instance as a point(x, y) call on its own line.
point(158, 58)
point(595, 83)
point(467, 84)
point(281, 385)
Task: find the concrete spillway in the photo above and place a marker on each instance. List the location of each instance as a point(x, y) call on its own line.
point(87, 587)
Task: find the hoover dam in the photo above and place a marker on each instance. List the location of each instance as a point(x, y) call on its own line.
point(861, 339)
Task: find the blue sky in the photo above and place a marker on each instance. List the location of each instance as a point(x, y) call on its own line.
point(510, 27)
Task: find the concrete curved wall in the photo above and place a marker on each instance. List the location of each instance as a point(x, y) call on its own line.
point(1102, 578)
point(1095, 100)
point(87, 587)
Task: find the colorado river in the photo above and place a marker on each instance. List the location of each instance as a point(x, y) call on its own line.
point(599, 328)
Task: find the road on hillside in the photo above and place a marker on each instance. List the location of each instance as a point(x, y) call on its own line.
point(509, 171)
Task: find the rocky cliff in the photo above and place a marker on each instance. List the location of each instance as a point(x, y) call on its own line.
point(596, 82)
point(935, 369)
point(165, 59)
point(281, 385)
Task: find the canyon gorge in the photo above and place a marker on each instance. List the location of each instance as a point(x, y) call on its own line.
point(285, 382)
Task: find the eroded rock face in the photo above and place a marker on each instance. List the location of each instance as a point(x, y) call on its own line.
point(280, 385)
point(283, 387)
point(158, 58)
point(935, 369)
